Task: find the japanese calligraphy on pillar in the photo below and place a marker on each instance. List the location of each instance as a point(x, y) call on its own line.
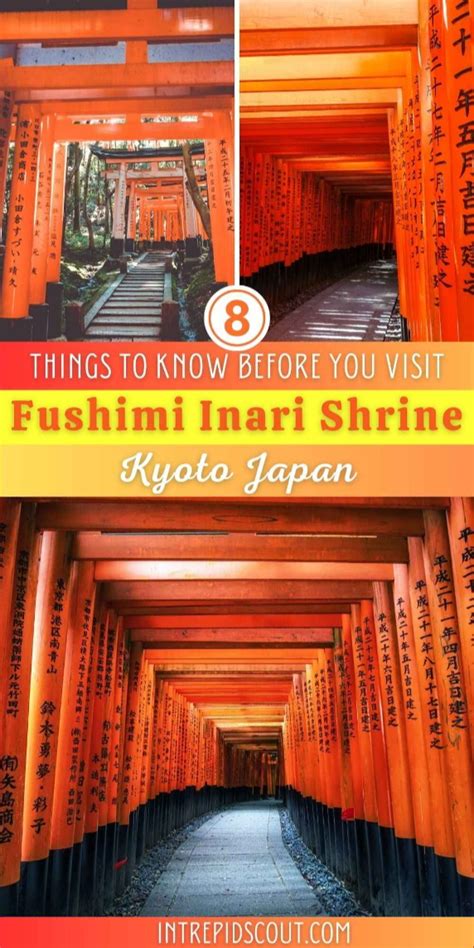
point(460, 83)
point(49, 653)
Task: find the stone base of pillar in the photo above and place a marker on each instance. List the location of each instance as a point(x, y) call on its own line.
point(55, 301)
point(39, 313)
point(116, 247)
point(129, 245)
point(16, 330)
point(169, 331)
point(75, 327)
point(9, 899)
point(193, 246)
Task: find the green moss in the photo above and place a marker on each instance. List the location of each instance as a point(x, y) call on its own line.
point(197, 294)
point(84, 272)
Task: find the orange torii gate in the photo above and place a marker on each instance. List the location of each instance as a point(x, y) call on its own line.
point(121, 68)
point(152, 202)
point(346, 113)
point(151, 677)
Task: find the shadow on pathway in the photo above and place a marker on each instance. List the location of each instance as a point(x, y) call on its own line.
point(355, 308)
point(235, 864)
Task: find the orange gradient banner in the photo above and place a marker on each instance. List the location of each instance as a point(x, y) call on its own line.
point(357, 932)
point(271, 365)
point(107, 471)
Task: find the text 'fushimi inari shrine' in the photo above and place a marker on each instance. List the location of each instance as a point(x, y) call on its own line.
point(110, 71)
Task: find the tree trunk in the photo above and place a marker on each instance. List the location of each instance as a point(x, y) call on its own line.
point(87, 219)
point(76, 221)
point(194, 190)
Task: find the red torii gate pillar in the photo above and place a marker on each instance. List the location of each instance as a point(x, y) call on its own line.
point(15, 321)
point(131, 218)
point(6, 108)
point(54, 287)
point(220, 172)
point(117, 243)
point(39, 309)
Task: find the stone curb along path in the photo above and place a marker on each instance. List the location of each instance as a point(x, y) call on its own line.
point(234, 864)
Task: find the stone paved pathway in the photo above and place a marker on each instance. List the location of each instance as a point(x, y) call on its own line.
point(356, 308)
point(235, 864)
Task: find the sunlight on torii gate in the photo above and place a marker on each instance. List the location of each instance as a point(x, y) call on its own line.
point(138, 74)
point(347, 110)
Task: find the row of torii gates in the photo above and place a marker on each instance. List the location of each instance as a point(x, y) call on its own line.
point(152, 203)
point(162, 658)
point(357, 134)
point(111, 71)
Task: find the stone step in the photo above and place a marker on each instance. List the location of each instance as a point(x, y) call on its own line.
point(113, 320)
point(135, 307)
point(132, 333)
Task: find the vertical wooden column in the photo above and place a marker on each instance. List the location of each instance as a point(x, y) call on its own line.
point(18, 577)
point(452, 689)
point(458, 43)
point(53, 269)
point(423, 810)
point(132, 216)
point(310, 711)
point(396, 746)
point(19, 241)
point(69, 740)
point(322, 822)
point(90, 863)
point(39, 309)
point(346, 734)
point(83, 863)
point(350, 732)
point(118, 230)
point(6, 112)
point(152, 829)
point(106, 832)
point(190, 212)
point(378, 817)
point(10, 511)
point(461, 532)
point(436, 159)
point(219, 169)
point(39, 256)
point(136, 771)
point(435, 743)
point(49, 655)
point(145, 761)
point(117, 721)
point(54, 288)
point(125, 803)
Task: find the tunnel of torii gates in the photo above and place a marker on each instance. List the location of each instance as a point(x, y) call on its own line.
point(116, 70)
point(357, 127)
point(153, 207)
point(161, 659)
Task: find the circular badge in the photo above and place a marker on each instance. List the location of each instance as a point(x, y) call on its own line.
point(237, 318)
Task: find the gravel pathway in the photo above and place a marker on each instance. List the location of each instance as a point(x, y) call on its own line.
point(235, 865)
point(333, 895)
point(153, 864)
